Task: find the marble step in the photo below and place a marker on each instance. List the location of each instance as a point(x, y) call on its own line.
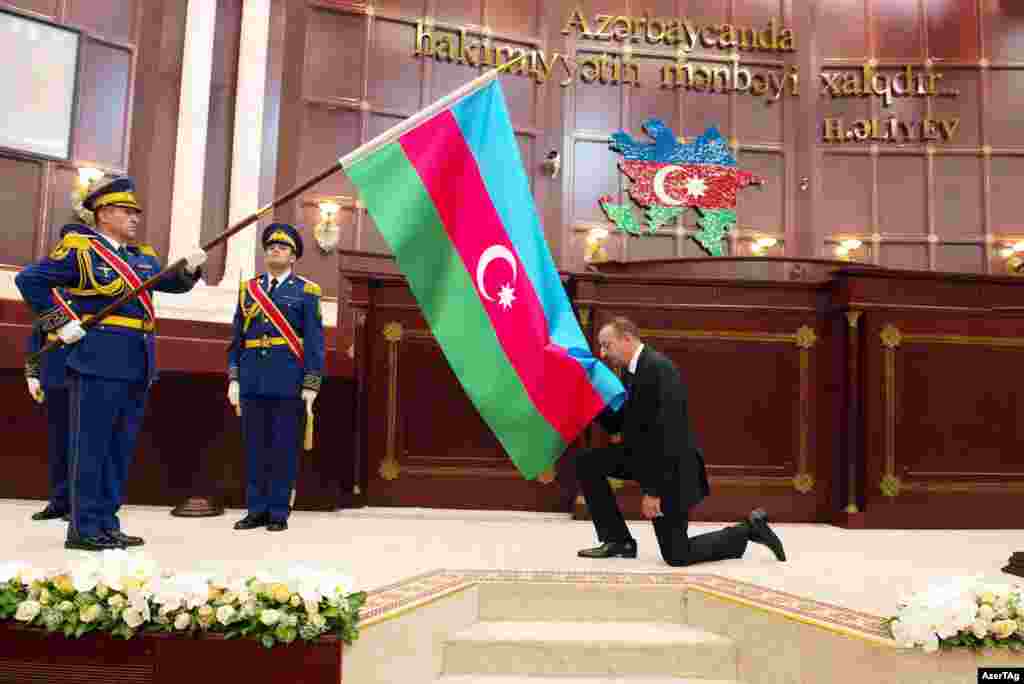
point(597, 649)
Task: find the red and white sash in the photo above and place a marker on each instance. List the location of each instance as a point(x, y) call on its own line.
point(129, 275)
point(276, 317)
point(63, 304)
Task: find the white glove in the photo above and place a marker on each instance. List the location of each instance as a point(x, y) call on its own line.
point(71, 332)
point(194, 260)
point(233, 393)
point(308, 396)
point(35, 389)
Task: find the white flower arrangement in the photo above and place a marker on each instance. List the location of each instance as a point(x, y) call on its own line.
point(964, 612)
point(123, 593)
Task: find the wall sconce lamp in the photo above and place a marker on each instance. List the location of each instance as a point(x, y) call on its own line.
point(552, 163)
point(762, 244)
point(595, 251)
point(327, 231)
point(1014, 255)
point(87, 179)
point(843, 251)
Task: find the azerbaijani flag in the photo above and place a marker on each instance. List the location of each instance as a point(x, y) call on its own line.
point(448, 191)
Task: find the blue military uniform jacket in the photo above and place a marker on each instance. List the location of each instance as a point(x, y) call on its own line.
point(260, 359)
point(122, 348)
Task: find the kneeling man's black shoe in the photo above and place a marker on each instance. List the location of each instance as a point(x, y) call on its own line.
point(760, 533)
point(626, 549)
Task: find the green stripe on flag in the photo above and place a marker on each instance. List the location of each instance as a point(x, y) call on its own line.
point(406, 217)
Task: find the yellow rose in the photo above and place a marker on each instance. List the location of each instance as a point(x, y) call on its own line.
point(280, 593)
point(102, 590)
point(988, 597)
point(131, 584)
point(91, 613)
point(1004, 628)
point(214, 593)
point(63, 584)
point(44, 597)
point(229, 597)
point(296, 601)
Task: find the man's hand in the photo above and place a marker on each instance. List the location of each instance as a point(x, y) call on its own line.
point(650, 506)
point(35, 389)
point(194, 260)
point(71, 332)
point(233, 393)
point(547, 477)
point(308, 396)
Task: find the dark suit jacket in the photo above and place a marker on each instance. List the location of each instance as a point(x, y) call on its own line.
point(656, 434)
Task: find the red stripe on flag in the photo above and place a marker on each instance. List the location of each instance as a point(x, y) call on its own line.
point(555, 382)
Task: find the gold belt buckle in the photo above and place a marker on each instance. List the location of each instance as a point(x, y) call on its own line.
point(265, 342)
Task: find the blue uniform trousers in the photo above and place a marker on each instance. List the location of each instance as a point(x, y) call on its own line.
point(105, 419)
point(270, 428)
point(58, 440)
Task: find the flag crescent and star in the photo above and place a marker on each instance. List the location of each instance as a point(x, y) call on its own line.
point(507, 293)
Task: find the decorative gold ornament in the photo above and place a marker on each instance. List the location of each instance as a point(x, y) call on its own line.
point(891, 336)
point(851, 508)
point(852, 317)
point(805, 337)
point(1015, 266)
point(616, 484)
point(890, 485)
point(389, 469)
point(393, 332)
point(584, 312)
point(803, 482)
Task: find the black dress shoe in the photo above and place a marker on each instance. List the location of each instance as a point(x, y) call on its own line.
point(277, 526)
point(50, 513)
point(760, 533)
point(610, 550)
point(251, 521)
point(98, 543)
point(125, 539)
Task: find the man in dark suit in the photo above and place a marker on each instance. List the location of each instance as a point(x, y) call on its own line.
point(658, 452)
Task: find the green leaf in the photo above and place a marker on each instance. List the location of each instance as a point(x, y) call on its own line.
point(81, 629)
point(658, 215)
point(714, 224)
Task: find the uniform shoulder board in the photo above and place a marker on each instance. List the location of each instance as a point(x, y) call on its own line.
point(310, 287)
point(147, 250)
point(69, 242)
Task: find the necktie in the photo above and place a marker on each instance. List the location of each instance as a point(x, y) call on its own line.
point(273, 284)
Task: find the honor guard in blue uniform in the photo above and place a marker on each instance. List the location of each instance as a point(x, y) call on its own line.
point(46, 379)
point(275, 367)
point(110, 366)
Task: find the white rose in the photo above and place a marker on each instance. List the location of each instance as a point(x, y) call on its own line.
point(270, 617)
point(980, 628)
point(250, 608)
point(986, 612)
point(225, 614)
point(182, 621)
point(91, 613)
point(66, 606)
point(12, 570)
point(116, 601)
point(27, 611)
point(132, 617)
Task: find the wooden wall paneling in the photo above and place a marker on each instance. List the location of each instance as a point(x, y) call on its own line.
point(898, 29)
point(22, 206)
point(114, 20)
point(957, 200)
point(105, 80)
point(1001, 36)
